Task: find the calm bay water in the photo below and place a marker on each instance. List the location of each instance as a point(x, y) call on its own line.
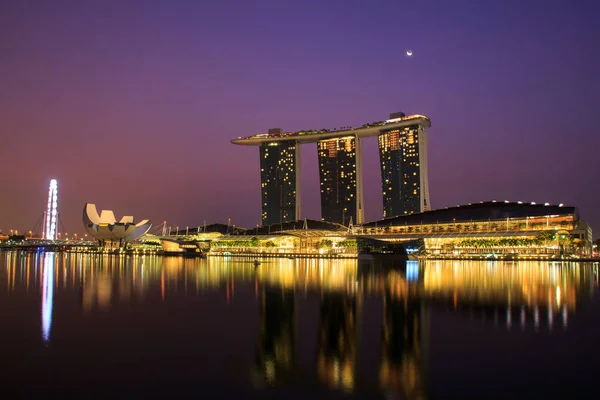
point(137, 327)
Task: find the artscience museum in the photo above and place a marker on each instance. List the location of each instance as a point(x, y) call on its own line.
point(105, 228)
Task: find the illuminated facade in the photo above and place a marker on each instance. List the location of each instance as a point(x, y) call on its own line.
point(404, 179)
point(341, 180)
point(403, 152)
point(489, 228)
point(279, 180)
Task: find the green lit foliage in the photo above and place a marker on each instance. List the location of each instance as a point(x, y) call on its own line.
point(542, 239)
point(504, 242)
point(150, 243)
point(236, 243)
point(325, 243)
point(347, 243)
point(254, 242)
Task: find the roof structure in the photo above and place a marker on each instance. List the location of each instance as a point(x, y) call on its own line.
point(292, 226)
point(212, 228)
point(483, 211)
point(313, 233)
point(228, 238)
point(312, 136)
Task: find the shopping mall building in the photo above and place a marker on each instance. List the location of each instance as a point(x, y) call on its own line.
point(497, 228)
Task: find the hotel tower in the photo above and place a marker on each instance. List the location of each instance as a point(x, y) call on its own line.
point(279, 180)
point(339, 169)
point(403, 156)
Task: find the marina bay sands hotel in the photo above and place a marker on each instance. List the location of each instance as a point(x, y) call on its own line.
point(402, 143)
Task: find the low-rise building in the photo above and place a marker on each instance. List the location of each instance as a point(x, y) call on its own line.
point(490, 228)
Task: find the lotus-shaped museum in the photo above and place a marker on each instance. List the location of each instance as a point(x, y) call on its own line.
point(106, 227)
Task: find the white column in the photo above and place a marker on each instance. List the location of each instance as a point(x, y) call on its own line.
point(423, 173)
point(359, 182)
point(298, 193)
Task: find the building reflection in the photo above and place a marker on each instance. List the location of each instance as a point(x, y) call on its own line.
point(337, 341)
point(524, 294)
point(513, 296)
point(403, 354)
point(475, 287)
point(275, 355)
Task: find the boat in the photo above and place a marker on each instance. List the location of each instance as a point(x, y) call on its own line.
point(256, 263)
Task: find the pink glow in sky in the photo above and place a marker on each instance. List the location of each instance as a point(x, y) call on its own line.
point(131, 105)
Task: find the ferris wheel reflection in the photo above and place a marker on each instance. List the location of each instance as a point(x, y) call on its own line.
point(47, 296)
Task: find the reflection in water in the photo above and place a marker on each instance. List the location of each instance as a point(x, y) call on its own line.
point(47, 296)
point(514, 294)
point(275, 356)
point(402, 367)
point(524, 295)
point(336, 360)
point(534, 288)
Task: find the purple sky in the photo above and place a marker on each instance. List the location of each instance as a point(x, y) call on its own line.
point(131, 104)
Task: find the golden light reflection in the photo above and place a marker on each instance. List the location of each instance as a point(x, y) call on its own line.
point(525, 294)
point(275, 357)
point(508, 284)
point(523, 283)
point(337, 341)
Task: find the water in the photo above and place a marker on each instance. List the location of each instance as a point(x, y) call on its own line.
point(138, 327)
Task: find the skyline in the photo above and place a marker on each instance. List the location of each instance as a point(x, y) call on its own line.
point(132, 106)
